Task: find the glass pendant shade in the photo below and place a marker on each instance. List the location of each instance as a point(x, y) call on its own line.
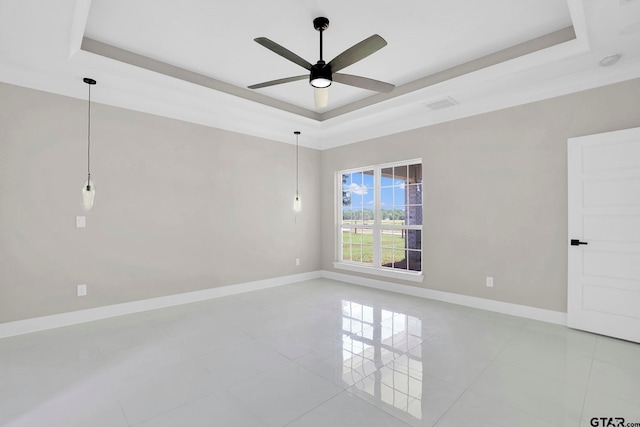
point(88, 195)
point(297, 204)
point(321, 97)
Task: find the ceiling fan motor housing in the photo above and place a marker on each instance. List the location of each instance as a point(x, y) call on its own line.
point(320, 76)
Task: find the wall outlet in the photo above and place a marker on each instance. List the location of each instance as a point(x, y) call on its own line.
point(82, 290)
point(81, 222)
point(489, 282)
point(297, 261)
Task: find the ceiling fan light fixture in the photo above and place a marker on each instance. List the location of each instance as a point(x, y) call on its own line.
point(320, 83)
point(320, 76)
point(321, 97)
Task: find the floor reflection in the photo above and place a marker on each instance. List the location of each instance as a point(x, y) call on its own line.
point(376, 341)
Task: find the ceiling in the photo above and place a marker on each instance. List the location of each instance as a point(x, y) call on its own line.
point(193, 60)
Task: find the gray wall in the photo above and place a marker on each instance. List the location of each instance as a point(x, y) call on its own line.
point(179, 207)
point(495, 192)
point(182, 207)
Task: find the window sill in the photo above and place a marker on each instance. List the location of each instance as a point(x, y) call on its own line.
point(402, 275)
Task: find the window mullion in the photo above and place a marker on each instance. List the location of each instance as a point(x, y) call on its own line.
point(339, 215)
point(377, 241)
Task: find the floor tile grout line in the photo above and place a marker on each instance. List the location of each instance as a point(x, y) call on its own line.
point(586, 392)
point(450, 406)
point(468, 389)
point(321, 403)
point(495, 357)
point(532, 371)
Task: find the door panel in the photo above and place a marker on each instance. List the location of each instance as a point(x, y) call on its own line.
point(612, 157)
point(620, 228)
point(611, 264)
point(612, 192)
point(604, 212)
point(608, 300)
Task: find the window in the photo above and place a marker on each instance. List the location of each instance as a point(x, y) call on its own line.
point(380, 219)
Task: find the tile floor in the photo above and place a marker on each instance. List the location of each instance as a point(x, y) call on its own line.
point(316, 353)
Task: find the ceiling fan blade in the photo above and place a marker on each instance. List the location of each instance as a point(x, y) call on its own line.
point(278, 82)
point(357, 52)
point(284, 52)
point(363, 82)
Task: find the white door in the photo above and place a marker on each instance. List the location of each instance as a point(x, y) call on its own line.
point(604, 222)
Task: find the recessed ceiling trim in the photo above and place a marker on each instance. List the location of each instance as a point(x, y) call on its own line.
point(122, 55)
point(522, 49)
point(513, 52)
point(78, 24)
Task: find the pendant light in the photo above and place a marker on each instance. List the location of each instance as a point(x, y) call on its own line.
point(297, 204)
point(89, 188)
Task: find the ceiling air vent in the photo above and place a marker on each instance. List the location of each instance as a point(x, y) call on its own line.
point(441, 103)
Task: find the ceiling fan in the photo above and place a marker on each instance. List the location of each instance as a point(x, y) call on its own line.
point(322, 74)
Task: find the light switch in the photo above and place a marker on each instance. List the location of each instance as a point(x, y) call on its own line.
point(81, 222)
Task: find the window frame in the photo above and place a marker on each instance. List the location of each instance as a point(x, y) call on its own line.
point(376, 267)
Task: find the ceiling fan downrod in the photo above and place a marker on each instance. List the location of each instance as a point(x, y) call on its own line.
point(320, 24)
point(321, 75)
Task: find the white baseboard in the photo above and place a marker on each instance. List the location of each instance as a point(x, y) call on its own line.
point(527, 312)
point(26, 326)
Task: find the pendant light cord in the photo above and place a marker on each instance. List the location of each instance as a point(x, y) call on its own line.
point(89, 142)
point(90, 82)
point(297, 161)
